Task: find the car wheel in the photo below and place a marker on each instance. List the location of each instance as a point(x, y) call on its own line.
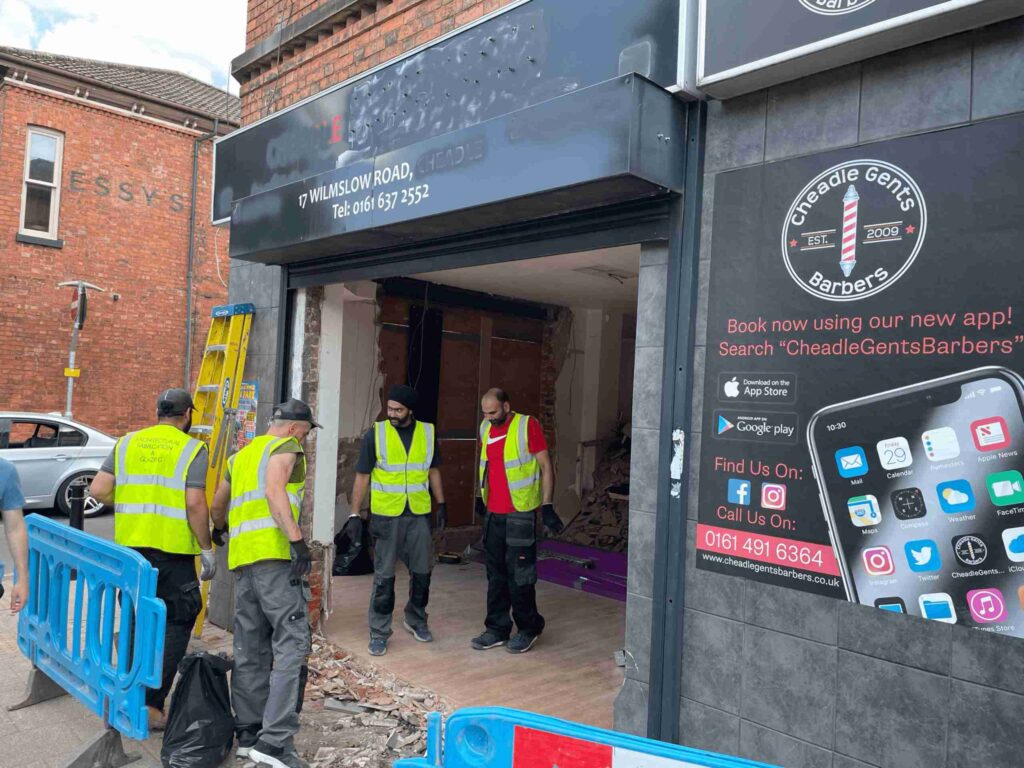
point(91, 506)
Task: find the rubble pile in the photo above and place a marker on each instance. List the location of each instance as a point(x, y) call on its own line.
point(603, 521)
point(360, 717)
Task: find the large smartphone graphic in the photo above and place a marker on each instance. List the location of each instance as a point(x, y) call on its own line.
point(923, 491)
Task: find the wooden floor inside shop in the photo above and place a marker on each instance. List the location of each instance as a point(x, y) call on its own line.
point(570, 673)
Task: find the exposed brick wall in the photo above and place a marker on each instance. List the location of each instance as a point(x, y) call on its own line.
point(362, 44)
point(554, 348)
point(322, 556)
point(124, 215)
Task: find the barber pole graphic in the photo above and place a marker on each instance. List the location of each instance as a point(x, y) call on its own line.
point(848, 260)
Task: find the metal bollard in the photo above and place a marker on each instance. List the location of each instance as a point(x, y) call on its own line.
point(76, 519)
point(77, 516)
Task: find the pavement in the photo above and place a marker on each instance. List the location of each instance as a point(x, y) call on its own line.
point(49, 734)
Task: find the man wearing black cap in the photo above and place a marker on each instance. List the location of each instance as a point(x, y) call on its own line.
point(258, 505)
point(156, 480)
point(399, 463)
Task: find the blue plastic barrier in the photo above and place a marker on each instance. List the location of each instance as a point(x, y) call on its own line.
point(496, 737)
point(71, 639)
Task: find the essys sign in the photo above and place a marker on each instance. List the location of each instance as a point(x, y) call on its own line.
point(863, 301)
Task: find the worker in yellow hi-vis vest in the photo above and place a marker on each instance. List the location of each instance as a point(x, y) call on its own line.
point(516, 479)
point(398, 463)
point(156, 480)
point(257, 505)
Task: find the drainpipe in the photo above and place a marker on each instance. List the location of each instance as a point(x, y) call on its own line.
point(192, 251)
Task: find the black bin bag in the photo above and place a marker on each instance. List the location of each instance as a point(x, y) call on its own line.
point(352, 549)
point(200, 726)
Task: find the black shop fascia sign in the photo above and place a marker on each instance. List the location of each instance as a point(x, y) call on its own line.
point(545, 108)
point(745, 45)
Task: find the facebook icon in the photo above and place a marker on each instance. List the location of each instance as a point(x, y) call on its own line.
point(739, 491)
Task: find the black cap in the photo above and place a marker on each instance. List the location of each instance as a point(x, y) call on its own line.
point(174, 402)
point(405, 395)
point(295, 410)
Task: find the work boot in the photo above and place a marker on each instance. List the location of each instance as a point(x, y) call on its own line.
point(277, 757)
point(521, 643)
point(246, 741)
point(489, 639)
point(421, 633)
point(378, 646)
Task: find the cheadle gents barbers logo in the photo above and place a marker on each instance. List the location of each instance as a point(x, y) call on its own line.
point(854, 230)
point(835, 7)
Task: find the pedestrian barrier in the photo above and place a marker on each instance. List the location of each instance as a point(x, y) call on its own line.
point(70, 637)
point(495, 737)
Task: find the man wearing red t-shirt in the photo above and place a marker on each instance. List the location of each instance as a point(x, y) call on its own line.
point(516, 478)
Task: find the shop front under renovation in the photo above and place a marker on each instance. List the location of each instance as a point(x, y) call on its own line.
point(666, 227)
point(514, 233)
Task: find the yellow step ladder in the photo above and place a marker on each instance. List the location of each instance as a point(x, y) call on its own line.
point(216, 398)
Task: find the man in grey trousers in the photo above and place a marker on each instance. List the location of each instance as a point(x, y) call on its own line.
point(258, 505)
point(399, 463)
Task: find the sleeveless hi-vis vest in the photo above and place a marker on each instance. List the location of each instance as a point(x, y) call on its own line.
point(521, 467)
point(254, 535)
point(150, 469)
point(399, 478)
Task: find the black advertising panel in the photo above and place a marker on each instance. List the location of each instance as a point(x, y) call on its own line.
point(595, 146)
point(749, 44)
point(524, 56)
point(863, 385)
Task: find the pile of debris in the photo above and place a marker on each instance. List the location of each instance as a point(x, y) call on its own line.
point(603, 521)
point(358, 716)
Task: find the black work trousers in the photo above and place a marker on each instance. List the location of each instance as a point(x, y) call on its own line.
point(178, 587)
point(510, 547)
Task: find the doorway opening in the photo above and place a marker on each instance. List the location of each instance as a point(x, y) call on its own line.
point(558, 334)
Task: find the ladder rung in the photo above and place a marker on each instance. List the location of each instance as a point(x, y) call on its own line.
point(202, 429)
point(208, 388)
point(217, 348)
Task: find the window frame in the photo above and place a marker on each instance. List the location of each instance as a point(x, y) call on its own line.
point(54, 186)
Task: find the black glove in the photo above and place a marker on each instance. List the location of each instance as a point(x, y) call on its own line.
point(551, 520)
point(441, 521)
point(218, 535)
point(302, 563)
point(481, 508)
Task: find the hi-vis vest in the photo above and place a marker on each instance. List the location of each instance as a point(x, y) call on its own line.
point(150, 469)
point(521, 468)
point(254, 534)
point(399, 478)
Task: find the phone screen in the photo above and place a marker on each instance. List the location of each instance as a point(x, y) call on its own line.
point(926, 497)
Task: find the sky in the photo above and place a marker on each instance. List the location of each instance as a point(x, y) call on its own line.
point(197, 37)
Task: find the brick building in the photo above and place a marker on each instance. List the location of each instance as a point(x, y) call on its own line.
point(96, 183)
point(502, 165)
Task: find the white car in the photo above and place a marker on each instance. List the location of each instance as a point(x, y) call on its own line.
point(52, 454)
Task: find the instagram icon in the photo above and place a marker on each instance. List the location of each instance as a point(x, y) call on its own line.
point(878, 561)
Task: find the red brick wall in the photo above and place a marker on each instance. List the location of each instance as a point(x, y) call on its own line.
point(362, 44)
point(138, 248)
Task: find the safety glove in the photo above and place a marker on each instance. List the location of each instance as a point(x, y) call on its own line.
point(302, 563)
point(441, 521)
point(551, 520)
point(481, 508)
point(218, 536)
point(209, 562)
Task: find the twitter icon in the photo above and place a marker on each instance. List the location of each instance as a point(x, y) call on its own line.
point(922, 555)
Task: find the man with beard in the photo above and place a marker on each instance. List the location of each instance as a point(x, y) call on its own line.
point(398, 463)
point(156, 480)
point(516, 478)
